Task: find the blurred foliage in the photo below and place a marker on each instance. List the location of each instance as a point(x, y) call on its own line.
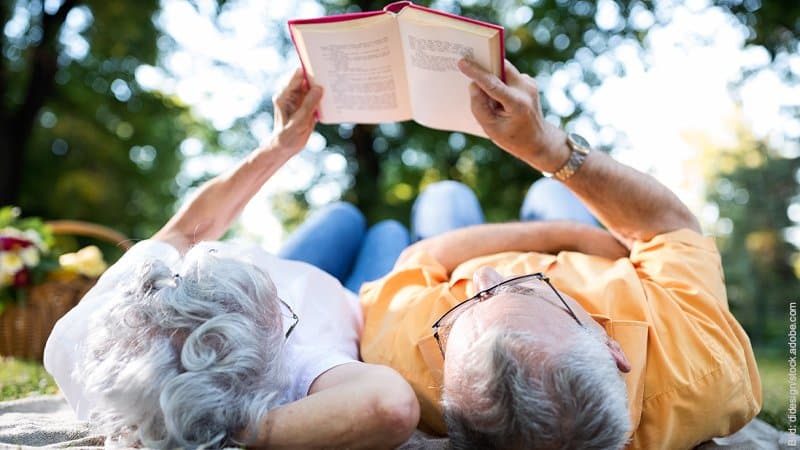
point(775, 25)
point(80, 138)
point(753, 187)
point(773, 369)
point(388, 165)
point(20, 378)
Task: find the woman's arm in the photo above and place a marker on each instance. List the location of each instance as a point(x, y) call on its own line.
point(209, 213)
point(354, 405)
point(455, 247)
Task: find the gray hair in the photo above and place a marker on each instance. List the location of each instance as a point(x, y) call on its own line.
point(517, 393)
point(189, 359)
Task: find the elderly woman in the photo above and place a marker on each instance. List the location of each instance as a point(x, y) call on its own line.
point(188, 342)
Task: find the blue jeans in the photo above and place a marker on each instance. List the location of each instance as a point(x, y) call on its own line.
point(336, 238)
point(448, 205)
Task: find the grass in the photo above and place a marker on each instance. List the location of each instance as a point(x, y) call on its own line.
point(774, 370)
point(20, 379)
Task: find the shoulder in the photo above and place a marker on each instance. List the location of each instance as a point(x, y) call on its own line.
point(399, 311)
point(684, 241)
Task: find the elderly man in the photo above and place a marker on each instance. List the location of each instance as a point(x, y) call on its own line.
point(571, 336)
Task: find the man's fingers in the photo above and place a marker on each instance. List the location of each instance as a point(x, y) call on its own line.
point(512, 74)
point(522, 80)
point(480, 104)
point(487, 81)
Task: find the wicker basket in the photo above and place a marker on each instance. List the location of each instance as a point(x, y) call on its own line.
point(24, 329)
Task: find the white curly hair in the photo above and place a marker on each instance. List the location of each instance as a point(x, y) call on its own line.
point(189, 359)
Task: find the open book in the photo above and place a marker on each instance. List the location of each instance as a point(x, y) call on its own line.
point(397, 64)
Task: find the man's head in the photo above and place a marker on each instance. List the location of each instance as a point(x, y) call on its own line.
point(186, 359)
point(527, 367)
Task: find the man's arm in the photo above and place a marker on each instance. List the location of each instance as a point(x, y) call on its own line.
point(209, 213)
point(454, 247)
point(354, 405)
point(634, 206)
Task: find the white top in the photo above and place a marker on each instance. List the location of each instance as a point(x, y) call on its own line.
point(326, 335)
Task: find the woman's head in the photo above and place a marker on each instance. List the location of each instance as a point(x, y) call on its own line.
point(189, 358)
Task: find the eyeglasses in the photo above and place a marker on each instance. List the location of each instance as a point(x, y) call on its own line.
point(293, 317)
point(525, 284)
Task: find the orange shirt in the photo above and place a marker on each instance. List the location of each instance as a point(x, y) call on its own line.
point(693, 373)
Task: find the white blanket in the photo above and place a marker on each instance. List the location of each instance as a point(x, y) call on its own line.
point(47, 421)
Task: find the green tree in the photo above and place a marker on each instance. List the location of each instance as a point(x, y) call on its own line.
point(80, 138)
point(753, 190)
point(389, 164)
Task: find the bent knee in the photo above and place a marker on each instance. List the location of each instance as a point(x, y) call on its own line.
point(389, 227)
point(447, 188)
point(346, 211)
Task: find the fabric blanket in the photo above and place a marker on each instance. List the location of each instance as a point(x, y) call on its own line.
point(47, 421)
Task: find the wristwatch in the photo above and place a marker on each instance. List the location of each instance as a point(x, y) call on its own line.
point(579, 150)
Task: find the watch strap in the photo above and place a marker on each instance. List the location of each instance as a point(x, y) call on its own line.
point(579, 151)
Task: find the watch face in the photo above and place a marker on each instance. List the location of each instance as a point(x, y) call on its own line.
point(579, 141)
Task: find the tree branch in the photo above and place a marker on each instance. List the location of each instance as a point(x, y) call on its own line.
point(368, 168)
point(43, 71)
point(16, 131)
point(5, 15)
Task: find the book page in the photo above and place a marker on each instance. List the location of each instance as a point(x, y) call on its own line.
point(432, 46)
point(359, 65)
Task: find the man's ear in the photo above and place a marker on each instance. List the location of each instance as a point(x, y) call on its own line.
point(619, 356)
point(485, 277)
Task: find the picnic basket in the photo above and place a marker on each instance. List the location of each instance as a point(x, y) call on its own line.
point(24, 328)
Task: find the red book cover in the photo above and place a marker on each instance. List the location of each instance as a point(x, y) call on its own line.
point(395, 8)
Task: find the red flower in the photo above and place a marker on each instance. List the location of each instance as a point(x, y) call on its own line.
point(22, 278)
point(11, 243)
